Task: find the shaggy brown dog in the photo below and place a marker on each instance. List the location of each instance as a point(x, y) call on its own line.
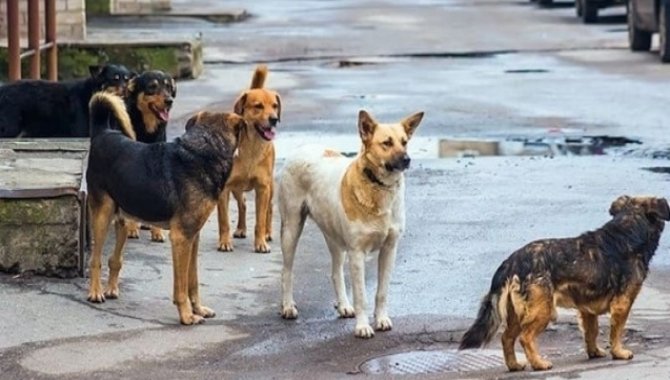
point(598, 272)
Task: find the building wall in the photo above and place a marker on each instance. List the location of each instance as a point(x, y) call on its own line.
point(70, 19)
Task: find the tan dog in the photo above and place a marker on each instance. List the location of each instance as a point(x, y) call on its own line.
point(359, 207)
point(254, 165)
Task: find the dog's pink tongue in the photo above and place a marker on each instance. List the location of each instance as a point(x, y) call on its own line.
point(269, 134)
point(164, 115)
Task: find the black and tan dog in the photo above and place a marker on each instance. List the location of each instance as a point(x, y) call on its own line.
point(149, 100)
point(598, 272)
point(40, 108)
point(254, 165)
point(174, 185)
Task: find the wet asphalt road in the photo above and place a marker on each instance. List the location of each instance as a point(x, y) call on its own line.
point(477, 68)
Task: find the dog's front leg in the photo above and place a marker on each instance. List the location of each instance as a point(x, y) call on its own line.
point(357, 269)
point(181, 260)
point(193, 285)
point(263, 193)
point(619, 310)
point(385, 264)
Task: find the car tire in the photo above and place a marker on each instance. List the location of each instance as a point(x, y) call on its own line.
point(638, 39)
point(664, 31)
point(589, 12)
point(579, 8)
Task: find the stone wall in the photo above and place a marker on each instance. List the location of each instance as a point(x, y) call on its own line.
point(70, 19)
point(139, 6)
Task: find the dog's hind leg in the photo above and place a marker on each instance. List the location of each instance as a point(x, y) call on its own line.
point(101, 211)
point(357, 270)
point(538, 313)
point(225, 243)
point(509, 336)
point(193, 285)
point(343, 306)
point(241, 230)
point(619, 310)
point(385, 265)
point(292, 223)
point(589, 325)
point(116, 260)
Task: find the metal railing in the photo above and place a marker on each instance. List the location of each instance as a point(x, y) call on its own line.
point(34, 47)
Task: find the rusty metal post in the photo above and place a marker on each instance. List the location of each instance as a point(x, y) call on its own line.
point(52, 52)
point(13, 41)
point(34, 37)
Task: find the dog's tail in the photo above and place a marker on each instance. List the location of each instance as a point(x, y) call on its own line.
point(493, 309)
point(109, 111)
point(258, 80)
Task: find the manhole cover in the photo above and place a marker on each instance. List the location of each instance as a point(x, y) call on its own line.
point(422, 362)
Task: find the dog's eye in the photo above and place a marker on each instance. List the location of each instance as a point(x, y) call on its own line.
point(388, 143)
point(116, 77)
point(258, 106)
point(125, 77)
point(404, 142)
point(275, 106)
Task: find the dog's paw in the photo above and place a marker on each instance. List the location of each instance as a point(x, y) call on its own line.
point(345, 310)
point(240, 233)
point(364, 331)
point(112, 293)
point(289, 312)
point(622, 354)
point(157, 236)
point(597, 353)
point(191, 319)
point(133, 233)
point(383, 324)
point(542, 365)
point(268, 237)
point(516, 367)
point(262, 247)
point(95, 295)
point(226, 246)
point(203, 311)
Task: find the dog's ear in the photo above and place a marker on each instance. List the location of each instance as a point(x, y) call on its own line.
point(192, 121)
point(132, 85)
point(95, 70)
point(174, 88)
point(659, 206)
point(238, 108)
point(619, 204)
point(278, 107)
point(411, 122)
point(366, 126)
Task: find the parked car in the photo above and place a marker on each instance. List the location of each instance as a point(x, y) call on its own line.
point(646, 17)
point(587, 10)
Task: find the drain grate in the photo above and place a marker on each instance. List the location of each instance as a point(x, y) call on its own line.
point(424, 362)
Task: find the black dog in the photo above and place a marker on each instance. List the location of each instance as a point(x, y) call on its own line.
point(175, 185)
point(40, 108)
point(149, 100)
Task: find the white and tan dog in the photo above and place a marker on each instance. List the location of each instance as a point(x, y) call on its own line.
point(359, 207)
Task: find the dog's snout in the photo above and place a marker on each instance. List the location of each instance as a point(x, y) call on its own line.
point(273, 120)
point(169, 101)
point(405, 161)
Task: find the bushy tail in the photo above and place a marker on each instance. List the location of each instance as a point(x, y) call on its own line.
point(503, 296)
point(109, 111)
point(258, 80)
point(485, 326)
